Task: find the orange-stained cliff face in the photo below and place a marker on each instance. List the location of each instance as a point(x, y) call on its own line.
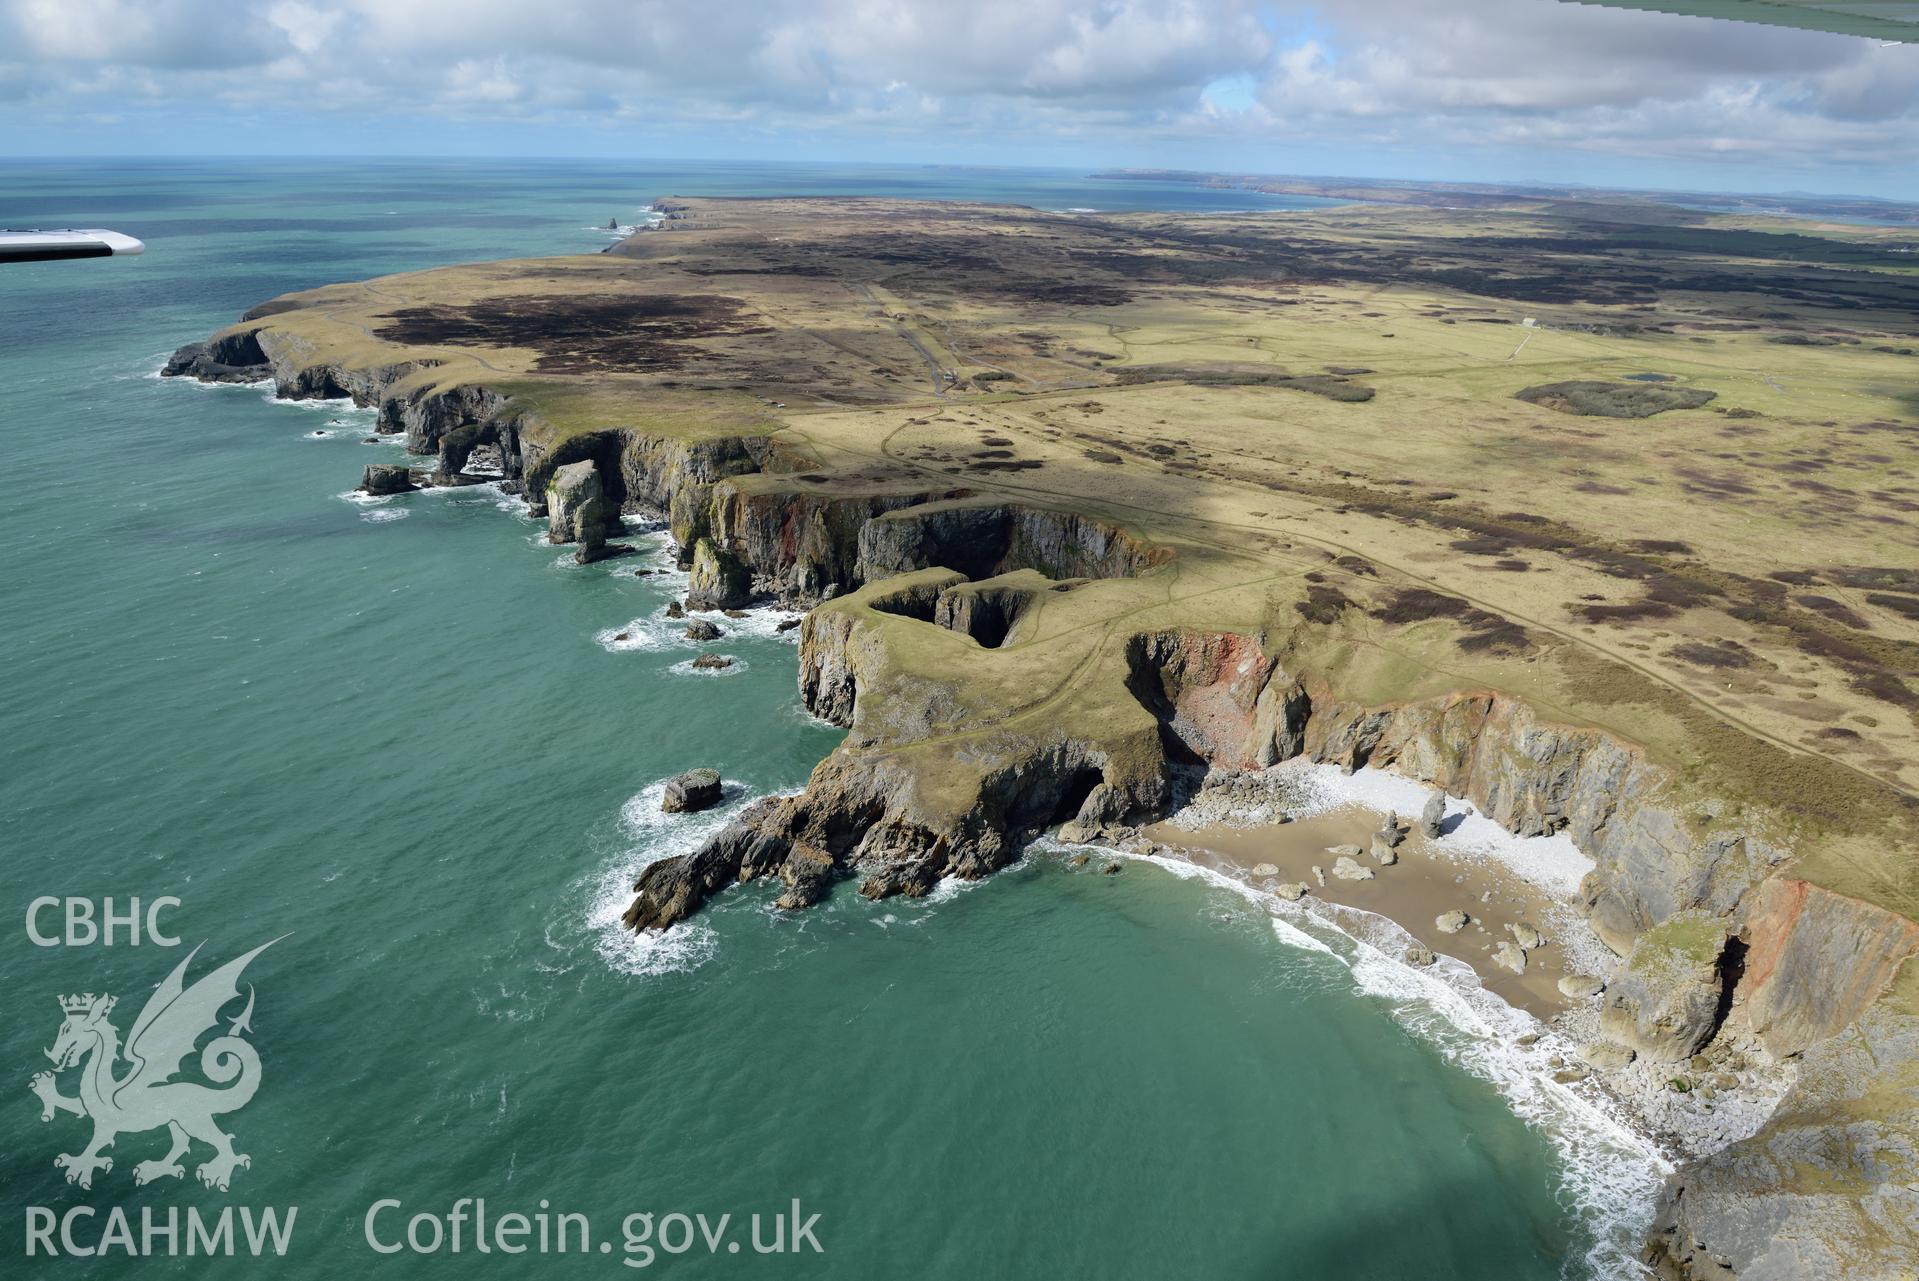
point(1815, 960)
point(1206, 688)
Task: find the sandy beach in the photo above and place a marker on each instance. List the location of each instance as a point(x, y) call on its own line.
point(1292, 824)
point(1428, 879)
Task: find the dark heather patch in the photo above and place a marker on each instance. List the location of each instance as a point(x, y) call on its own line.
point(1661, 546)
point(1885, 580)
point(1666, 594)
point(1592, 398)
point(1356, 565)
point(573, 334)
point(1904, 606)
point(1102, 455)
point(1512, 566)
point(1835, 610)
point(1699, 482)
point(1795, 577)
point(1723, 653)
point(1417, 605)
point(1637, 611)
point(1322, 604)
point(1488, 633)
point(1840, 733)
point(1885, 687)
point(1330, 386)
point(1494, 635)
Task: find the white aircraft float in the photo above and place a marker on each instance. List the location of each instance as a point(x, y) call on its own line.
point(67, 242)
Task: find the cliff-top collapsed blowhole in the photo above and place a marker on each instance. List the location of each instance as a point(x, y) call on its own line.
point(1084, 506)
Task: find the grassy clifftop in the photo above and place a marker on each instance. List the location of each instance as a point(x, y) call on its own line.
point(1720, 582)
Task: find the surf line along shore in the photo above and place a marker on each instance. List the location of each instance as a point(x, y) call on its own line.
point(1037, 584)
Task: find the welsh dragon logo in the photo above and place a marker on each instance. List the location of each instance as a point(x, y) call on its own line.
point(146, 1097)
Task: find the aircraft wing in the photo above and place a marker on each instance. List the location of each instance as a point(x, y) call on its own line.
point(50, 246)
point(1890, 20)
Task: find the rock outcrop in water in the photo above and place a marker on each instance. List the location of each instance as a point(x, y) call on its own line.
point(237, 359)
point(963, 744)
point(718, 579)
point(697, 789)
point(578, 510)
point(382, 479)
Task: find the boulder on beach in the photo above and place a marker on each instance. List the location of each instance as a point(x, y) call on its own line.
point(1581, 986)
point(1390, 831)
point(1344, 851)
point(1265, 869)
point(1077, 831)
point(387, 478)
point(1383, 852)
point(1451, 922)
point(1433, 815)
point(1664, 1001)
point(1319, 874)
point(1346, 869)
point(1526, 936)
point(1511, 956)
point(1606, 1056)
point(697, 789)
point(1419, 955)
point(701, 630)
point(1291, 891)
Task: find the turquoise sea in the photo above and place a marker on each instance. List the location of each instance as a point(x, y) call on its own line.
point(403, 736)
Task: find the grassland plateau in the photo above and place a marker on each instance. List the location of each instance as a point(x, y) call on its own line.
point(1607, 525)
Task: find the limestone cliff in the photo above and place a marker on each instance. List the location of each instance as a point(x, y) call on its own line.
point(1004, 664)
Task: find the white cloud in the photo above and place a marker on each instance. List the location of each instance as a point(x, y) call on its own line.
point(1220, 74)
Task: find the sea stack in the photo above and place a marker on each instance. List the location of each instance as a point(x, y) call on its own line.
point(697, 789)
point(578, 510)
point(382, 479)
point(718, 580)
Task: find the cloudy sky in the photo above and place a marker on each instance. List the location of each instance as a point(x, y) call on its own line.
point(1467, 89)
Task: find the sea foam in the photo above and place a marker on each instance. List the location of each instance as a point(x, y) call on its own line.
point(650, 834)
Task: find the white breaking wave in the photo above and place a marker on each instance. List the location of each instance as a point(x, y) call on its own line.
point(651, 834)
point(688, 669)
point(640, 634)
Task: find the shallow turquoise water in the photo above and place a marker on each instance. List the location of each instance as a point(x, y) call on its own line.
point(394, 730)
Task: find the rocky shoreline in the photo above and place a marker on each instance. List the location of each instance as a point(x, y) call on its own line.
point(1717, 950)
